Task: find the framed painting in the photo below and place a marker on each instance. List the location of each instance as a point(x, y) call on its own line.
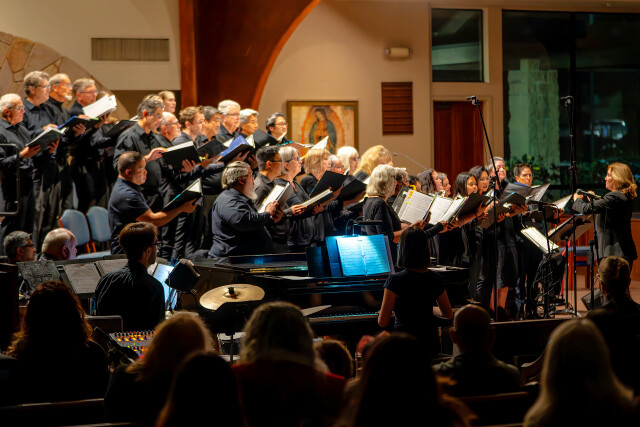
point(311, 121)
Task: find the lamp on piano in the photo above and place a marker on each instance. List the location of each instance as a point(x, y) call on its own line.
point(183, 277)
point(360, 222)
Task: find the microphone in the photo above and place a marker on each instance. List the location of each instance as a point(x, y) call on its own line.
point(361, 222)
point(410, 159)
point(589, 195)
point(567, 99)
point(472, 97)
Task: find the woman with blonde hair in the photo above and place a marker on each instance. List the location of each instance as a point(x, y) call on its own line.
point(138, 391)
point(316, 163)
point(374, 156)
point(169, 101)
point(578, 385)
point(613, 213)
point(350, 158)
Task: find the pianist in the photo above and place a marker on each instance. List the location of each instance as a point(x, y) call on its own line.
point(59, 244)
point(238, 228)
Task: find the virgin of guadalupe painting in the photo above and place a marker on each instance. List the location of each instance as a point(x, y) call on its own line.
point(311, 121)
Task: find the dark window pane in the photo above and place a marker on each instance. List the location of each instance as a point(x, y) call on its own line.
point(456, 45)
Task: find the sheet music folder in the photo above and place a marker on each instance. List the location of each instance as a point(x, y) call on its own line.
point(563, 231)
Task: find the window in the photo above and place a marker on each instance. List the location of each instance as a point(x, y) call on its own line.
point(456, 45)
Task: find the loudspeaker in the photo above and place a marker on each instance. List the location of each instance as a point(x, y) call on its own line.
point(597, 296)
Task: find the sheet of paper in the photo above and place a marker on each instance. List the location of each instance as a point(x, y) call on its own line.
point(539, 239)
point(375, 254)
point(453, 209)
point(83, 277)
point(438, 208)
point(273, 195)
point(351, 256)
point(415, 207)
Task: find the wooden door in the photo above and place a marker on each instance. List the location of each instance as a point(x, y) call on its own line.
point(458, 137)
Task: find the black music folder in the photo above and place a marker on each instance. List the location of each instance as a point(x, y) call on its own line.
point(534, 193)
point(208, 149)
point(330, 180)
point(120, 127)
point(351, 188)
point(47, 137)
point(471, 204)
point(563, 231)
point(237, 146)
point(174, 156)
point(192, 192)
point(37, 272)
point(75, 120)
point(262, 139)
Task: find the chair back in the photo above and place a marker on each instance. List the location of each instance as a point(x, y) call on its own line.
point(76, 222)
point(98, 219)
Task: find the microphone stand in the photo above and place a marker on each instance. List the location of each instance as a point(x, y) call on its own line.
point(496, 194)
point(410, 159)
point(573, 182)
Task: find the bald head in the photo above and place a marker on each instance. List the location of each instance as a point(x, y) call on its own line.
point(60, 243)
point(472, 329)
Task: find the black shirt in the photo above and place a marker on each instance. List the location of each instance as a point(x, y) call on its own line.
point(238, 228)
point(224, 135)
point(62, 114)
point(76, 109)
point(377, 209)
point(135, 139)
point(37, 117)
point(14, 134)
point(132, 293)
point(126, 204)
point(301, 227)
point(415, 293)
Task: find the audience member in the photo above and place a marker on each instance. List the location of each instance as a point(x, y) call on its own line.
point(475, 370)
point(578, 385)
point(204, 380)
point(132, 292)
point(336, 356)
point(138, 392)
point(238, 228)
point(47, 370)
point(59, 244)
point(277, 380)
point(408, 292)
point(398, 388)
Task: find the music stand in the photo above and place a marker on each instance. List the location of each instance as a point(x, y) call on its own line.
point(563, 233)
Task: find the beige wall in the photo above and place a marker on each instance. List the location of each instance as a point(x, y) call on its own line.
point(68, 26)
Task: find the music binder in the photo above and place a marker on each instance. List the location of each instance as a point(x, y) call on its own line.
point(174, 156)
point(319, 199)
point(363, 255)
point(415, 207)
point(279, 193)
point(262, 139)
point(351, 189)
point(192, 192)
point(120, 127)
point(472, 203)
point(540, 240)
point(237, 146)
point(47, 137)
point(329, 180)
point(400, 198)
point(83, 278)
point(75, 120)
point(534, 193)
point(439, 208)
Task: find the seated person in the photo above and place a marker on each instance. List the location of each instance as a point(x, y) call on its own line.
point(19, 247)
point(132, 292)
point(278, 382)
point(619, 320)
point(238, 228)
point(127, 203)
point(475, 370)
point(8, 367)
point(59, 244)
point(50, 369)
point(138, 391)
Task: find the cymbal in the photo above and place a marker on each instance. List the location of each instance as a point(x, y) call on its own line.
point(214, 298)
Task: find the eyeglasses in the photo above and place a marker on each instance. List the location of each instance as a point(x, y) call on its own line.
point(90, 92)
point(283, 124)
point(43, 86)
point(170, 124)
point(526, 175)
point(64, 84)
point(156, 116)
point(17, 108)
point(276, 161)
point(295, 159)
point(234, 114)
point(28, 246)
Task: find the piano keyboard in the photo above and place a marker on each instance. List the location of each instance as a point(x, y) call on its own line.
point(343, 317)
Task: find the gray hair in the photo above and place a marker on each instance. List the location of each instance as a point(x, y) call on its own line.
point(8, 100)
point(401, 174)
point(33, 80)
point(149, 104)
point(225, 105)
point(382, 181)
point(57, 79)
point(13, 241)
point(271, 120)
point(287, 153)
point(489, 165)
point(56, 239)
point(246, 113)
point(81, 85)
point(209, 112)
point(346, 153)
point(442, 176)
point(233, 172)
point(333, 159)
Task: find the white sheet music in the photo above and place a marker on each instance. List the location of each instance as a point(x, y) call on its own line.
point(453, 209)
point(273, 195)
point(415, 207)
point(351, 256)
point(438, 208)
point(539, 239)
point(363, 255)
